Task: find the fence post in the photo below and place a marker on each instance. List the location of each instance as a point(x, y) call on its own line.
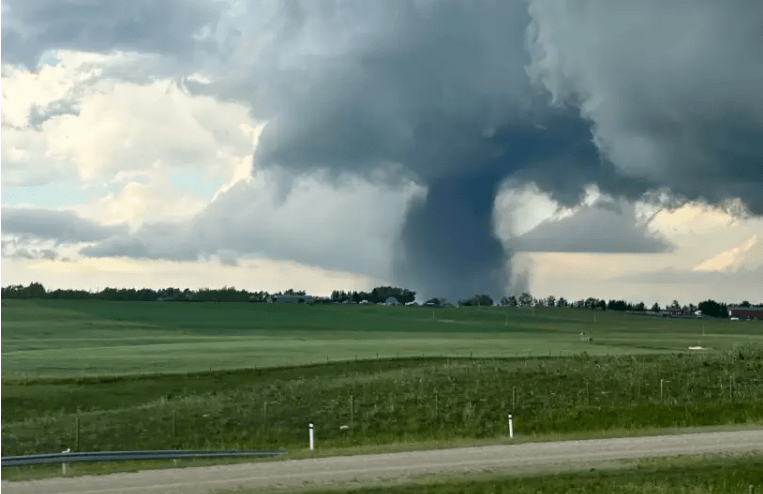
point(436, 404)
point(76, 433)
point(513, 398)
point(63, 465)
point(511, 427)
point(352, 411)
point(312, 437)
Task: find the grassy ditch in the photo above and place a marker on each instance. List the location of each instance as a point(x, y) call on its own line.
point(383, 402)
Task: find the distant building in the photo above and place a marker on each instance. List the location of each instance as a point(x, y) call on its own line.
point(677, 312)
point(292, 299)
point(391, 301)
point(746, 312)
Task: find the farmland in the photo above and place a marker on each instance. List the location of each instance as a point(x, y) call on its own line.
point(56, 339)
point(122, 376)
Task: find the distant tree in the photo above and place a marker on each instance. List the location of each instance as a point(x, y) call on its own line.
point(381, 293)
point(619, 305)
point(675, 305)
point(745, 304)
point(12, 291)
point(479, 300)
point(656, 307)
point(641, 307)
point(713, 309)
point(525, 300)
point(562, 302)
point(551, 301)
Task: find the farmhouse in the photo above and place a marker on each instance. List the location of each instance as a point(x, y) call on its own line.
point(675, 312)
point(746, 312)
point(292, 299)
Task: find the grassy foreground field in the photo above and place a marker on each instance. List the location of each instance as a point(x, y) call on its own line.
point(55, 339)
point(383, 402)
point(124, 376)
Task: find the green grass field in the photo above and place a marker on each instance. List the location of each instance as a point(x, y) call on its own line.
point(55, 339)
point(124, 376)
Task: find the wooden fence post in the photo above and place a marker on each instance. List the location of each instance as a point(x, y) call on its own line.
point(76, 433)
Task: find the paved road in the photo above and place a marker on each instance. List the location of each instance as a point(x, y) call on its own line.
point(347, 470)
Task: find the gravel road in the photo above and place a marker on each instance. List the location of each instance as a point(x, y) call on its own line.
point(345, 470)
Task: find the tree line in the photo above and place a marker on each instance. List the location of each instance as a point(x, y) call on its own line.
point(377, 295)
point(708, 307)
point(225, 294)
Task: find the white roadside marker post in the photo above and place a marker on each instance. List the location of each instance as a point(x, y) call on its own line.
point(63, 465)
point(511, 427)
point(312, 437)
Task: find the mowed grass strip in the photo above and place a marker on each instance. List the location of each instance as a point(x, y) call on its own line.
point(63, 338)
point(384, 402)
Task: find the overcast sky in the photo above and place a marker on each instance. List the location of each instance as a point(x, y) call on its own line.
point(569, 148)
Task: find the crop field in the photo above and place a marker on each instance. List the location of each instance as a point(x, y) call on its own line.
point(124, 376)
point(56, 339)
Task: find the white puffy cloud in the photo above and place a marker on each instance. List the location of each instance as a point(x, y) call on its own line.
point(142, 127)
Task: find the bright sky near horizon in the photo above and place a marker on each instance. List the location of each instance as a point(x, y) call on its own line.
point(575, 149)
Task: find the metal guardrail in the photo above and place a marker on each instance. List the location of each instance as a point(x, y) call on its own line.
point(16, 461)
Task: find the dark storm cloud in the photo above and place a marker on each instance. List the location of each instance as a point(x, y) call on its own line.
point(442, 90)
point(30, 27)
point(63, 227)
point(672, 88)
point(632, 96)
